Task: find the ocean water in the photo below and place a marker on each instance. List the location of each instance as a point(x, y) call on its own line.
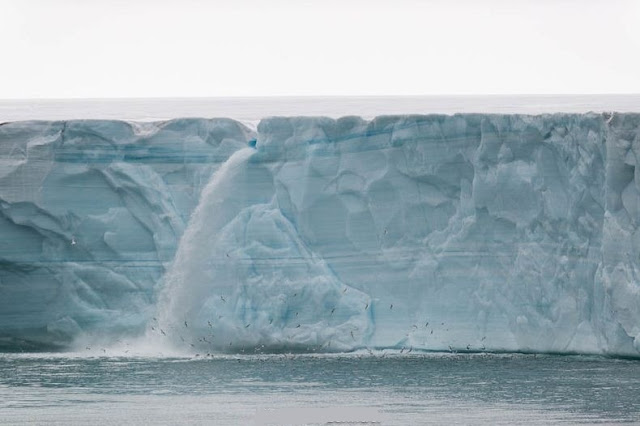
point(390, 389)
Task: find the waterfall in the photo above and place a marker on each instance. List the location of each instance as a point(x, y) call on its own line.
point(243, 279)
point(190, 276)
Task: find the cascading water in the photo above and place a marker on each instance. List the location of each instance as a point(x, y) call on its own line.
point(227, 291)
point(190, 278)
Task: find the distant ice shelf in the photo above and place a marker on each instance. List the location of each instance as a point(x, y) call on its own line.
point(469, 232)
point(251, 110)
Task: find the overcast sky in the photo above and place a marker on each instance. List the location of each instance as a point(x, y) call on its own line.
point(145, 48)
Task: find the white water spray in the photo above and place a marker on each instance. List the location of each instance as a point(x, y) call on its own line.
point(187, 279)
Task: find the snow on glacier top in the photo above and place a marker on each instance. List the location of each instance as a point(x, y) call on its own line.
point(251, 109)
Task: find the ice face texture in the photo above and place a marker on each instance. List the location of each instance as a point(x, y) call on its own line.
point(468, 232)
point(90, 216)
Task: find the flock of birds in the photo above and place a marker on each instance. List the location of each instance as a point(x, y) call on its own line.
point(214, 345)
point(154, 327)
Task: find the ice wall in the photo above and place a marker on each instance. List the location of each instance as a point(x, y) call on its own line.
point(466, 232)
point(90, 216)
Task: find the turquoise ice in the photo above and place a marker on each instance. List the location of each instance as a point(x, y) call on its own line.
point(468, 232)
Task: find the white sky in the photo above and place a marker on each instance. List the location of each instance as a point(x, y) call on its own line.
point(181, 48)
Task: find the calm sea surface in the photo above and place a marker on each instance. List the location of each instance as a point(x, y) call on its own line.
point(394, 390)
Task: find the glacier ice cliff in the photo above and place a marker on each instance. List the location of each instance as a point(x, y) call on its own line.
point(469, 232)
point(90, 215)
